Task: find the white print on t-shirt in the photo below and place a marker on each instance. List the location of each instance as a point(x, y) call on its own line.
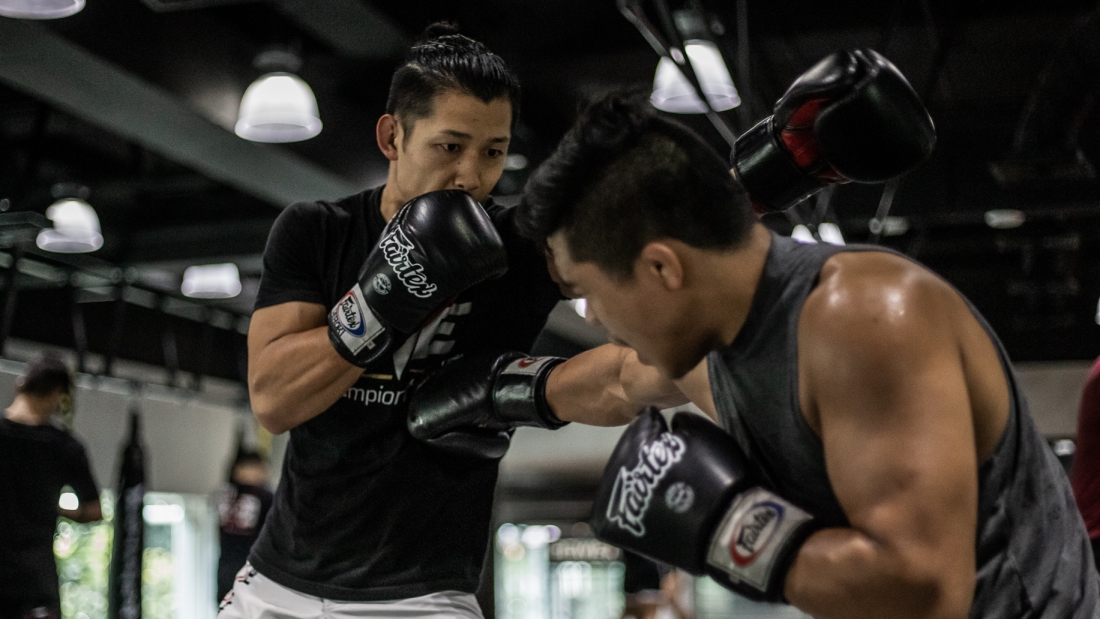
point(429, 341)
point(383, 396)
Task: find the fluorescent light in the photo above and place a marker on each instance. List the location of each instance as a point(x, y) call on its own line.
point(211, 281)
point(68, 501)
point(40, 9)
point(889, 226)
point(75, 228)
point(673, 93)
point(162, 514)
point(278, 107)
point(515, 161)
point(830, 233)
point(1004, 218)
point(802, 234)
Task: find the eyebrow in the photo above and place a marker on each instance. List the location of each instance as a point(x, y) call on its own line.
point(466, 136)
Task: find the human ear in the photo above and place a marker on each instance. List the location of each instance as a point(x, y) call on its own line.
point(661, 263)
point(386, 132)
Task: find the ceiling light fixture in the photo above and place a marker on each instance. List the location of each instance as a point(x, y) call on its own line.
point(279, 106)
point(211, 281)
point(830, 233)
point(40, 9)
point(75, 228)
point(673, 93)
point(515, 161)
point(802, 234)
point(1004, 218)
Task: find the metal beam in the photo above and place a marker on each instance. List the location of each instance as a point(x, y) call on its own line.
point(42, 64)
point(352, 27)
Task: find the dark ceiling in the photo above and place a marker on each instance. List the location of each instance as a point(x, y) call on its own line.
point(136, 99)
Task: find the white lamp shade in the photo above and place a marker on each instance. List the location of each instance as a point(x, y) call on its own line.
point(278, 107)
point(802, 234)
point(211, 281)
point(830, 233)
point(75, 228)
point(673, 93)
point(40, 9)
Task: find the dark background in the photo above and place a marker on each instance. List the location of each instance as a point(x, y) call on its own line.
point(135, 99)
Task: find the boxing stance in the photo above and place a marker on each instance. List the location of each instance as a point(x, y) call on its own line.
point(858, 111)
point(881, 461)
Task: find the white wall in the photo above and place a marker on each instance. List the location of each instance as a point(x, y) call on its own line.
point(188, 441)
point(1053, 391)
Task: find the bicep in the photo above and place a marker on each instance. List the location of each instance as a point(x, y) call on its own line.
point(896, 427)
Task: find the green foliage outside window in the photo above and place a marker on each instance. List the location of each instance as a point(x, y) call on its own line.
point(83, 553)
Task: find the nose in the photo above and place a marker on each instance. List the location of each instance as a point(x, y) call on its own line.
point(466, 174)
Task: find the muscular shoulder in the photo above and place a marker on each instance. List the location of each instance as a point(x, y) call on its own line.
point(865, 296)
point(873, 318)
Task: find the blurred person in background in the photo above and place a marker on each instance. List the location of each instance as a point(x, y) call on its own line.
point(38, 458)
point(1085, 476)
point(242, 508)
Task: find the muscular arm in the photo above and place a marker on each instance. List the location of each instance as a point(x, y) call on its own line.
point(882, 380)
point(294, 374)
point(608, 386)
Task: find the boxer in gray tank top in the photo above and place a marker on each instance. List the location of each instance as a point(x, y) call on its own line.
point(1032, 558)
point(862, 387)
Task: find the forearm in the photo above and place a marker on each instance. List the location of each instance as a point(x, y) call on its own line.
point(587, 389)
point(297, 377)
point(844, 574)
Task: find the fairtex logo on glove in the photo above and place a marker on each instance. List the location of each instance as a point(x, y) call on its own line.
point(754, 530)
point(350, 314)
point(634, 488)
point(396, 247)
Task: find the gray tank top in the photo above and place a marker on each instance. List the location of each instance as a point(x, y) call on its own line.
point(1033, 554)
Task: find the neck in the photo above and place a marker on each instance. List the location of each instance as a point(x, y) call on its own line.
point(392, 200)
point(732, 282)
point(28, 410)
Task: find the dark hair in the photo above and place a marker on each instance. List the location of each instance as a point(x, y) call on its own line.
point(624, 176)
point(45, 375)
point(443, 60)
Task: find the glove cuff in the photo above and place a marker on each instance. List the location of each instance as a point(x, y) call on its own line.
point(354, 330)
point(519, 392)
point(767, 172)
point(756, 542)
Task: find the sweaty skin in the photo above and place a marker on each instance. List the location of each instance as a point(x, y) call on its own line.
point(897, 377)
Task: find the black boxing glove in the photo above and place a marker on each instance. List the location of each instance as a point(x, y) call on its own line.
point(685, 497)
point(471, 406)
point(435, 247)
point(851, 117)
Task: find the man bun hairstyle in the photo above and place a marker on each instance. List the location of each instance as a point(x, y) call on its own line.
point(442, 60)
point(45, 375)
point(624, 176)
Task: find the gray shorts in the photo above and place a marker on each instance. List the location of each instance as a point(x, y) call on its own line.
point(254, 596)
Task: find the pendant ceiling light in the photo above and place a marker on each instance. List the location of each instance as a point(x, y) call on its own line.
point(211, 281)
point(75, 228)
point(673, 93)
point(279, 106)
point(40, 9)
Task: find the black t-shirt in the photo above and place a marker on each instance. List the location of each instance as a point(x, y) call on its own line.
point(36, 462)
point(242, 509)
point(363, 511)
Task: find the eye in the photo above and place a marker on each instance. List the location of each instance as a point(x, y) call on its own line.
point(495, 153)
point(450, 148)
